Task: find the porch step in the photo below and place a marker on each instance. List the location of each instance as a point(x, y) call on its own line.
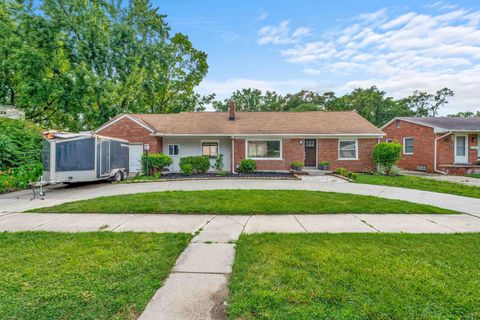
point(316, 172)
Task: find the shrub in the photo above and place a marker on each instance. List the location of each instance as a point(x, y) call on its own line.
point(20, 143)
point(19, 178)
point(386, 155)
point(156, 162)
point(297, 164)
point(247, 166)
point(219, 162)
point(200, 164)
point(186, 168)
point(346, 173)
point(324, 163)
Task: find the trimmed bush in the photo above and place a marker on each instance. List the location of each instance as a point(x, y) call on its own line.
point(345, 173)
point(156, 163)
point(200, 164)
point(186, 168)
point(386, 155)
point(247, 166)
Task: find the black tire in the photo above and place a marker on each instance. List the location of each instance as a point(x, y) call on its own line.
point(117, 177)
point(124, 175)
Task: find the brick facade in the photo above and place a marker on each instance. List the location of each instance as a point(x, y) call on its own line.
point(424, 144)
point(134, 133)
point(327, 151)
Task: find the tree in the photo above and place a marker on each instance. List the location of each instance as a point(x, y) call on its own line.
point(465, 114)
point(386, 155)
point(427, 104)
point(73, 64)
point(252, 100)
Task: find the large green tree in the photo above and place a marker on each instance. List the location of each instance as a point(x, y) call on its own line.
point(73, 64)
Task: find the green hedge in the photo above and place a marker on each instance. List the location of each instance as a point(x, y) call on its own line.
point(156, 163)
point(19, 178)
point(247, 166)
point(200, 164)
point(386, 155)
point(20, 143)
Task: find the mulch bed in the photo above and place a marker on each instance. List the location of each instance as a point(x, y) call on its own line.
point(228, 175)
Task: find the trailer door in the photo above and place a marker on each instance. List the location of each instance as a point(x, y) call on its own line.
point(104, 157)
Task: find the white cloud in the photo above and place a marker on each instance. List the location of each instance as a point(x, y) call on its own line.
point(262, 16)
point(281, 34)
point(399, 53)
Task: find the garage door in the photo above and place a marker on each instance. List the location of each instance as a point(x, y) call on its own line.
point(135, 157)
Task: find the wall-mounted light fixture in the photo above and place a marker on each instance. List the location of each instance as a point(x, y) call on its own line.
point(301, 141)
point(474, 139)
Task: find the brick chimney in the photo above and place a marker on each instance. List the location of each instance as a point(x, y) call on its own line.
point(232, 115)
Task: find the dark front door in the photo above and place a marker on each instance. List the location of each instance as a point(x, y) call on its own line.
point(310, 152)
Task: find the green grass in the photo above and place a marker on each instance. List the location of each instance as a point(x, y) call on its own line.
point(242, 202)
point(419, 183)
point(356, 276)
point(46, 275)
point(474, 175)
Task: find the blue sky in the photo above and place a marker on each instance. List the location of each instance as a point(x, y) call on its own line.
point(286, 46)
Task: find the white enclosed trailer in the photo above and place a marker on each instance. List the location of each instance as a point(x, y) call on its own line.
point(83, 157)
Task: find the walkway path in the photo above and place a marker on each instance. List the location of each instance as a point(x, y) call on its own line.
point(198, 284)
point(20, 201)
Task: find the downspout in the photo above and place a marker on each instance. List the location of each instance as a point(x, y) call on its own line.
point(435, 152)
point(232, 157)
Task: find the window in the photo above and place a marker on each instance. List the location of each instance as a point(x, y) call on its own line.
point(389, 140)
point(397, 123)
point(407, 145)
point(210, 149)
point(173, 150)
point(264, 149)
point(347, 149)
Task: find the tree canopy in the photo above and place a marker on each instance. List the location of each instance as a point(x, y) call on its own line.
point(73, 64)
point(372, 103)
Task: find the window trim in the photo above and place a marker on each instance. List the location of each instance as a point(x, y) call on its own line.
point(173, 144)
point(356, 149)
point(265, 139)
point(207, 141)
point(404, 145)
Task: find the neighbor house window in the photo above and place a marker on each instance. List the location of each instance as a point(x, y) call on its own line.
point(173, 150)
point(210, 149)
point(347, 149)
point(388, 140)
point(264, 149)
point(407, 145)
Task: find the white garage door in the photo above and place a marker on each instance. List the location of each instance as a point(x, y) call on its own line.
point(135, 157)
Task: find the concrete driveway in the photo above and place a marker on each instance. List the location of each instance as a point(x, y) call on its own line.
point(20, 201)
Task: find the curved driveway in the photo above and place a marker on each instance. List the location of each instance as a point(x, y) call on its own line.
point(20, 201)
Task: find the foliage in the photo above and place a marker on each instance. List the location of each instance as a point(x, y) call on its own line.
point(20, 177)
point(200, 164)
point(247, 166)
point(242, 202)
point(156, 162)
point(386, 155)
point(371, 103)
point(89, 275)
point(20, 143)
point(346, 173)
point(325, 163)
point(219, 162)
point(420, 183)
point(465, 114)
point(74, 64)
point(297, 164)
point(355, 276)
point(186, 168)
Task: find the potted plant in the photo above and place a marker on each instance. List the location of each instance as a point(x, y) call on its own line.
point(297, 166)
point(324, 165)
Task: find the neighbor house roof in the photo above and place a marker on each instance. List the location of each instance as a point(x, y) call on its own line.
point(443, 124)
point(255, 123)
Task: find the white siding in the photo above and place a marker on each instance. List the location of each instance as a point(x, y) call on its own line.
point(193, 147)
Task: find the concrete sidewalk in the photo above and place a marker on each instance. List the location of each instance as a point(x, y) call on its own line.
point(223, 229)
point(20, 201)
point(468, 181)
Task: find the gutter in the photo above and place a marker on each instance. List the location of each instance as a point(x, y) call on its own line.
point(435, 152)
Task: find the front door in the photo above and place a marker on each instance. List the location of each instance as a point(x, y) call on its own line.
point(310, 152)
point(461, 148)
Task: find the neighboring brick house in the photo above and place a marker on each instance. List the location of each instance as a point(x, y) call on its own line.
point(442, 144)
point(273, 139)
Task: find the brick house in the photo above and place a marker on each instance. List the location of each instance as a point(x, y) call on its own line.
point(442, 145)
point(273, 139)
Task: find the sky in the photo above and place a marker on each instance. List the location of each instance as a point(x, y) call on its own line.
point(287, 46)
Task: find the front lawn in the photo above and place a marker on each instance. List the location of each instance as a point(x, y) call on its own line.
point(473, 175)
point(242, 202)
point(419, 183)
point(101, 275)
point(356, 276)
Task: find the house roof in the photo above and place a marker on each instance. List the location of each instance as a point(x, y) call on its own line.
point(441, 124)
point(257, 123)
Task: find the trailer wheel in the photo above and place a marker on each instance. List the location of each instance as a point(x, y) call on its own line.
point(117, 177)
